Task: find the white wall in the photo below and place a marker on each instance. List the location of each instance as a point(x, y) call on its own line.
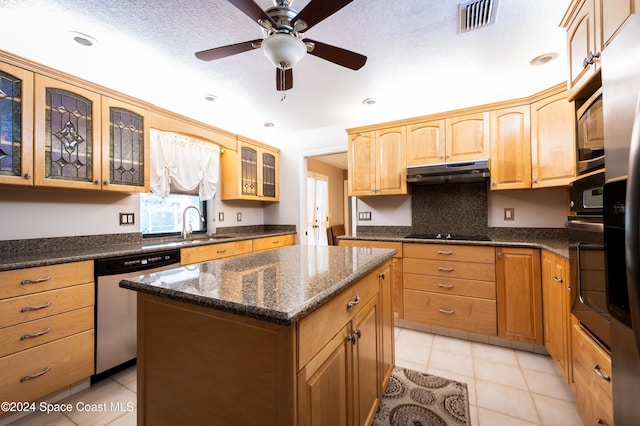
point(539, 208)
point(391, 210)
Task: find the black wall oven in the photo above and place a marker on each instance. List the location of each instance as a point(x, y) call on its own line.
point(585, 230)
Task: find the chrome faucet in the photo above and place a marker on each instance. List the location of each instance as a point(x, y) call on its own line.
point(186, 232)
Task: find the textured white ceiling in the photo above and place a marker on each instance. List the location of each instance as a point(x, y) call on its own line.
point(417, 64)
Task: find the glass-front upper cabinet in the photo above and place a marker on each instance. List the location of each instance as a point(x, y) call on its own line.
point(16, 125)
point(269, 176)
point(67, 135)
point(251, 173)
point(125, 147)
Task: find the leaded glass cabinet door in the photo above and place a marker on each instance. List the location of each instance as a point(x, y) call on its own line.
point(269, 175)
point(16, 125)
point(125, 147)
point(67, 135)
point(249, 173)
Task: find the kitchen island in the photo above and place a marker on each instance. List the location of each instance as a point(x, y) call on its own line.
point(292, 336)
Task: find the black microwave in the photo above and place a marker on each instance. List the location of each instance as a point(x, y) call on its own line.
point(586, 195)
point(590, 134)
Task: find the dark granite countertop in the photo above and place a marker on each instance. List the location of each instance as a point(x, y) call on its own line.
point(280, 286)
point(554, 242)
point(51, 251)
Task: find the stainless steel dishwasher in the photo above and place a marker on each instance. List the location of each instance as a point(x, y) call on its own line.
point(116, 335)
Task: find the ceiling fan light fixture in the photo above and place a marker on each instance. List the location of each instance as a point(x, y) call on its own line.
point(283, 50)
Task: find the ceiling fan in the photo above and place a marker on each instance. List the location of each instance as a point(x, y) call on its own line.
point(284, 43)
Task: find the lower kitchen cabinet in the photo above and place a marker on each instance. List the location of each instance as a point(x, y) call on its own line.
point(556, 303)
point(208, 252)
point(519, 294)
point(450, 286)
point(592, 377)
point(46, 330)
point(268, 243)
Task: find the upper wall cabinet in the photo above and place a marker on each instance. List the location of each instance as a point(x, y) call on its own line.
point(467, 137)
point(426, 143)
point(88, 141)
point(251, 173)
point(511, 148)
point(591, 25)
point(377, 163)
point(16, 121)
point(553, 147)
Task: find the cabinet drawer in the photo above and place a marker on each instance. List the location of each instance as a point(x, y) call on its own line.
point(33, 333)
point(267, 243)
point(478, 254)
point(61, 362)
point(321, 325)
point(21, 282)
point(375, 244)
point(209, 252)
point(593, 393)
point(466, 313)
point(444, 268)
point(451, 286)
point(18, 310)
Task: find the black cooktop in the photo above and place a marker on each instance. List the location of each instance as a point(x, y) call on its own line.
point(452, 237)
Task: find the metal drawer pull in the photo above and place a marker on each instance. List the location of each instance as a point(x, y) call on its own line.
point(39, 333)
point(446, 253)
point(35, 308)
point(599, 373)
point(36, 281)
point(599, 422)
point(354, 302)
point(445, 285)
point(221, 251)
point(276, 242)
point(358, 333)
point(446, 311)
point(33, 376)
point(558, 280)
point(442, 268)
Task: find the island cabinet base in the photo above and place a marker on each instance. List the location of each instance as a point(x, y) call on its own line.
point(200, 366)
point(203, 366)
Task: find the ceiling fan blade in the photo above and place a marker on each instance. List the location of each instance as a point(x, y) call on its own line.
point(224, 51)
point(337, 55)
point(288, 79)
point(252, 10)
point(318, 10)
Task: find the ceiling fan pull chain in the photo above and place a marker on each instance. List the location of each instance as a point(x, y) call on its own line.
point(283, 94)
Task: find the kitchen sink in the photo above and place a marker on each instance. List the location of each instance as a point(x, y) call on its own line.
point(193, 241)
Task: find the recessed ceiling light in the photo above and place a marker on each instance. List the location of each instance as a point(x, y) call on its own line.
point(543, 59)
point(369, 101)
point(210, 98)
point(269, 124)
point(83, 39)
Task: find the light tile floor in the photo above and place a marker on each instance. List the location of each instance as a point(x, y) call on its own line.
point(506, 386)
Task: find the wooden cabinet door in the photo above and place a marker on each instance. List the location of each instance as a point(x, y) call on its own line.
point(511, 148)
point(425, 143)
point(386, 279)
point(366, 382)
point(467, 137)
point(615, 14)
point(16, 132)
point(125, 147)
point(67, 135)
point(362, 164)
point(553, 146)
point(326, 382)
point(519, 294)
point(390, 161)
point(249, 170)
point(269, 177)
point(556, 309)
point(582, 43)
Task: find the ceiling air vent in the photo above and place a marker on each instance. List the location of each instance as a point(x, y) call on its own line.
point(476, 14)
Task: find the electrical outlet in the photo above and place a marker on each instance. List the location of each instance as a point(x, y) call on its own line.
point(509, 213)
point(220, 216)
point(127, 219)
point(239, 217)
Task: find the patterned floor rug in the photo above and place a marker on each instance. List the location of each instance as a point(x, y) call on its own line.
point(418, 399)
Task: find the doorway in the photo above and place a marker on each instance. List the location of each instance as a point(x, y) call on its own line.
point(317, 209)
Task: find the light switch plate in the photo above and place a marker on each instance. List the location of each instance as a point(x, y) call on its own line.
point(220, 216)
point(239, 217)
point(127, 219)
point(509, 213)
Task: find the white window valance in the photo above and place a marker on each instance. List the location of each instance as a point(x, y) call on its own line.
point(182, 164)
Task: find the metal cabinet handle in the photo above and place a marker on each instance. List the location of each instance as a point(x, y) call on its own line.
point(276, 242)
point(599, 422)
point(447, 311)
point(558, 280)
point(37, 280)
point(35, 308)
point(599, 373)
point(27, 175)
point(443, 269)
point(97, 182)
point(33, 376)
point(221, 251)
point(354, 302)
point(499, 255)
point(351, 338)
point(445, 285)
point(39, 333)
point(358, 333)
point(445, 253)
point(381, 276)
point(106, 182)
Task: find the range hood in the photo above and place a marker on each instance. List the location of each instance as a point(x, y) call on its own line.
point(474, 171)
